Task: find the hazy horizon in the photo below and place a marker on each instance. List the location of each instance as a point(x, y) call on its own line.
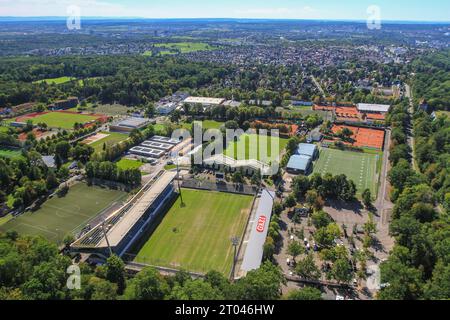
point(328, 10)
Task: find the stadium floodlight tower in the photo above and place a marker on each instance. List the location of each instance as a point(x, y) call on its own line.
point(178, 179)
point(106, 237)
point(235, 242)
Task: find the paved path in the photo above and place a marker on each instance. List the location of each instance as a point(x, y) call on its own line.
point(411, 142)
point(318, 86)
point(383, 204)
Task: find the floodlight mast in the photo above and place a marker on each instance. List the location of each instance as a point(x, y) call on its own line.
point(178, 181)
point(235, 243)
point(106, 238)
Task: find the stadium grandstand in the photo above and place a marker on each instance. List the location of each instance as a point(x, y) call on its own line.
point(125, 226)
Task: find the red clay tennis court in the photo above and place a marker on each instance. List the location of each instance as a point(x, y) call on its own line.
point(364, 137)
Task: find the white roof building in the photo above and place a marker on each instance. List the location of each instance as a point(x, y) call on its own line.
point(367, 107)
point(204, 101)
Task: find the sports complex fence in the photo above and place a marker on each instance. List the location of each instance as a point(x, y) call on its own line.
point(220, 186)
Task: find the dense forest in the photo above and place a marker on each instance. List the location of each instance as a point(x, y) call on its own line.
point(32, 268)
point(128, 80)
point(419, 265)
point(432, 79)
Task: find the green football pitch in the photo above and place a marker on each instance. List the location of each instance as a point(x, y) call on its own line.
point(197, 236)
point(112, 139)
point(249, 147)
point(59, 80)
point(359, 167)
point(61, 119)
point(60, 216)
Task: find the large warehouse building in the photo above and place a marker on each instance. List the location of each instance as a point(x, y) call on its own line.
point(204, 101)
point(130, 124)
point(301, 161)
point(309, 150)
point(373, 108)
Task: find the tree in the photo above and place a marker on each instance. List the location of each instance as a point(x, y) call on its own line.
point(300, 185)
point(115, 272)
point(307, 269)
point(307, 293)
point(290, 201)
point(51, 180)
point(404, 282)
point(62, 149)
point(261, 284)
point(237, 177)
point(325, 236)
point(269, 248)
point(102, 289)
point(147, 285)
point(367, 198)
point(342, 270)
point(314, 200)
point(256, 178)
point(195, 290)
point(321, 219)
point(295, 249)
point(150, 110)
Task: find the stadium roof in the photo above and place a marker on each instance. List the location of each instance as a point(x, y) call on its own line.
point(255, 247)
point(221, 159)
point(133, 122)
point(204, 100)
point(307, 149)
point(299, 162)
point(120, 222)
point(367, 107)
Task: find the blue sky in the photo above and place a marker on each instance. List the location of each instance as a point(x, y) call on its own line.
point(417, 10)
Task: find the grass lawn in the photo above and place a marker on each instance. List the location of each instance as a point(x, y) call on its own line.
point(59, 80)
point(359, 167)
point(5, 219)
point(207, 124)
point(183, 47)
point(60, 216)
point(9, 153)
point(61, 119)
point(112, 139)
point(244, 148)
point(125, 164)
point(170, 167)
point(196, 237)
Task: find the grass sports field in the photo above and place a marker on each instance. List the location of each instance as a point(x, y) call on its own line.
point(9, 153)
point(59, 80)
point(207, 124)
point(236, 149)
point(112, 139)
point(359, 167)
point(62, 120)
point(59, 216)
point(183, 47)
point(196, 237)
